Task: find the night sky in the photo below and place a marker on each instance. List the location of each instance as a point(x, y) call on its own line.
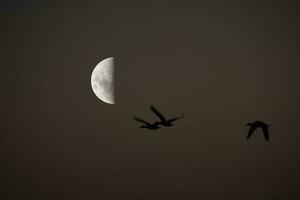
point(221, 64)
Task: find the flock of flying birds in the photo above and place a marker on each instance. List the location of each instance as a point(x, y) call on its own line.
point(168, 122)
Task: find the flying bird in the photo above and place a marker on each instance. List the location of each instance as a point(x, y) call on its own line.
point(148, 125)
point(163, 120)
point(258, 124)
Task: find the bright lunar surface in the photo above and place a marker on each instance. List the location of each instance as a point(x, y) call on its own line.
point(102, 80)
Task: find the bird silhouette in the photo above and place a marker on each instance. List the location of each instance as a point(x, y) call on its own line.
point(163, 120)
point(147, 125)
point(258, 124)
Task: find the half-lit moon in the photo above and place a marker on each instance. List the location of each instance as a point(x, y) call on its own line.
point(102, 80)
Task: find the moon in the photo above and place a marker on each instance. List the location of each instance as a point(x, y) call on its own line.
point(102, 80)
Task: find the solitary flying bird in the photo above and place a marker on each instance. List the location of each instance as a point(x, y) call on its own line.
point(163, 120)
point(147, 125)
point(258, 124)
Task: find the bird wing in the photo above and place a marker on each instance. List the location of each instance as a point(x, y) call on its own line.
point(141, 120)
point(266, 132)
point(174, 119)
point(161, 117)
point(251, 131)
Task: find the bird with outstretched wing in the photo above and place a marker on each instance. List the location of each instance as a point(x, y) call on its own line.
point(163, 120)
point(147, 125)
point(258, 124)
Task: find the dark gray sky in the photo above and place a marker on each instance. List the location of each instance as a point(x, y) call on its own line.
point(221, 64)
